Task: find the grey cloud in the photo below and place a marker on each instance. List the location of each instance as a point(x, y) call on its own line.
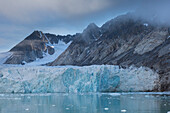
point(32, 11)
point(28, 10)
point(155, 11)
point(18, 18)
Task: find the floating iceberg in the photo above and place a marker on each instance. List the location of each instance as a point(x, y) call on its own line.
point(73, 79)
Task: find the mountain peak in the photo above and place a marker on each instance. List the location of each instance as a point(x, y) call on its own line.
point(90, 34)
point(35, 35)
point(36, 32)
point(92, 25)
point(90, 28)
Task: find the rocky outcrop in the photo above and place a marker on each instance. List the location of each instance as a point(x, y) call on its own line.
point(123, 41)
point(54, 39)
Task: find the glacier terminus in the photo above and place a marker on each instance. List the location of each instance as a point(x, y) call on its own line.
point(75, 79)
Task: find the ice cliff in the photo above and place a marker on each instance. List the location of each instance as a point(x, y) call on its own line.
point(103, 78)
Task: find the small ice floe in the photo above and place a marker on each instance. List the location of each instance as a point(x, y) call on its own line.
point(146, 96)
point(132, 97)
point(123, 110)
point(106, 109)
point(67, 108)
point(114, 94)
point(53, 105)
point(27, 109)
point(157, 96)
point(145, 24)
point(2, 95)
point(17, 98)
point(168, 112)
point(28, 97)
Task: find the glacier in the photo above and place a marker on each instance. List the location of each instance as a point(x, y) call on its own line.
point(59, 48)
point(4, 56)
point(74, 79)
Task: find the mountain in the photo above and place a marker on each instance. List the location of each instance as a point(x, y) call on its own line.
point(38, 46)
point(122, 41)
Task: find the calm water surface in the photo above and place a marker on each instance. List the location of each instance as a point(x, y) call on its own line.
point(85, 103)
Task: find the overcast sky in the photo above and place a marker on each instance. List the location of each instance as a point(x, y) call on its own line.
point(19, 18)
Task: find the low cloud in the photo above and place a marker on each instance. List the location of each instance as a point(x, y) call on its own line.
point(155, 10)
point(28, 10)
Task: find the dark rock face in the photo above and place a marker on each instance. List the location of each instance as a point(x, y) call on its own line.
point(34, 46)
point(51, 50)
point(55, 39)
point(122, 41)
point(29, 49)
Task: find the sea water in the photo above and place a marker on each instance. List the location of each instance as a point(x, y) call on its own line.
point(86, 103)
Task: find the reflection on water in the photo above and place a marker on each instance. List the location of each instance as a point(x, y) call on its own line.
point(84, 103)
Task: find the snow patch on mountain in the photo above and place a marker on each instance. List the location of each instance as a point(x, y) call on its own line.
point(59, 49)
point(146, 24)
point(40, 34)
point(4, 56)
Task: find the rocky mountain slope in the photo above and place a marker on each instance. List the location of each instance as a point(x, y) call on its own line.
point(122, 41)
point(36, 46)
